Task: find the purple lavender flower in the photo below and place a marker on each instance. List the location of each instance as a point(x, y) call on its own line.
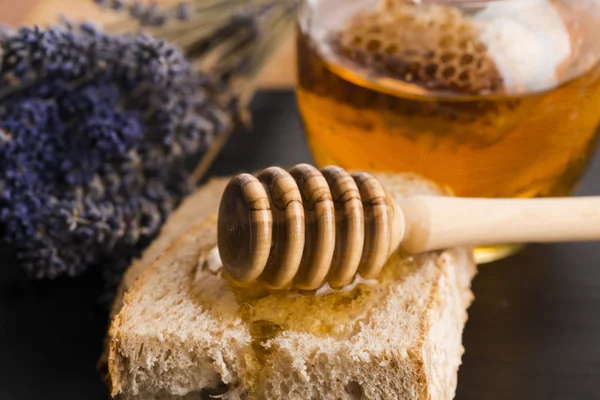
point(136, 10)
point(153, 16)
point(117, 5)
point(95, 131)
point(183, 11)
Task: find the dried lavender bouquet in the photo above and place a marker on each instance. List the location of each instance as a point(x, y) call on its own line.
point(97, 127)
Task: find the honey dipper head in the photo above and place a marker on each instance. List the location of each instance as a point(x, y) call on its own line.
point(302, 228)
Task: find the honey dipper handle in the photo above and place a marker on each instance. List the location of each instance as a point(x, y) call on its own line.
point(434, 223)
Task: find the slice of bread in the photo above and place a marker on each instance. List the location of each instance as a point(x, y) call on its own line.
point(196, 207)
point(181, 330)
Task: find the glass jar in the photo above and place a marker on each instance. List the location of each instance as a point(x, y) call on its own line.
point(487, 98)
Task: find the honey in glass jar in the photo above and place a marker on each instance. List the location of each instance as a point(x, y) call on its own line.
point(487, 98)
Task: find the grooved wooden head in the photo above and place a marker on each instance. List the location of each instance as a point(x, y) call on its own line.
point(319, 215)
point(302, 228)
point(288, 228)
point(349, 226)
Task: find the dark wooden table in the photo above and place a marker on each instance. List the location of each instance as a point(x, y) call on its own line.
point(533, 330)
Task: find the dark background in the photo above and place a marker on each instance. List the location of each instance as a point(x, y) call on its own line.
point(533, 330)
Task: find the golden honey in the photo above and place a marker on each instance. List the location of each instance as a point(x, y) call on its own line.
point(339, 314)
point(418, 111)
point(510, 146)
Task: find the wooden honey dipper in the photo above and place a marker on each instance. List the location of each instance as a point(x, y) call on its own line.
point(304, 227)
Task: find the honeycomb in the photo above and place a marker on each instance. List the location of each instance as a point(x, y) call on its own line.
point(433, 46)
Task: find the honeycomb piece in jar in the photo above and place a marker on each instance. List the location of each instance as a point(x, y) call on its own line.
point(433, 46)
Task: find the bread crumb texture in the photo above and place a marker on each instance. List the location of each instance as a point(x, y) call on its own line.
point(183, 333)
